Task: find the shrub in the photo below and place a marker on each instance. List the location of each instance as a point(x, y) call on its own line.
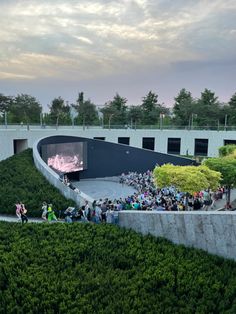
point(76, 268)
point(21, 181)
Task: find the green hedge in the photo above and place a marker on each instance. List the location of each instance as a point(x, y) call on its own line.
point(21, 181)
point(86, 268)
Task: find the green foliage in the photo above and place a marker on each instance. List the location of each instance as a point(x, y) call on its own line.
point(5, 102)
point(226, 166)
point(86, 268)
point(186, 178)
point(115, 111)
point(183, 107)
point(232, 111)
point(87, 113)
point(59, 112)
point(24, 108)
point(135, 115)
point(21, 181)
point(151, 109)
point(207, 108)
point(205, 111)
point(226, 150)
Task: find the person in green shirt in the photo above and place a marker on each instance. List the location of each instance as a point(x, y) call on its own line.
point(51, 215)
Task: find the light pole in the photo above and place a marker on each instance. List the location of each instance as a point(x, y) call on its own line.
point(193, 115)
point(5, 119)
point(109, 121)
point(100, 116)
point(226, 116)
point(73, 115)
point(162, 115)
point(41, 119)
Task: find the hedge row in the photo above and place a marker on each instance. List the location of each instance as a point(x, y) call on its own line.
point(21, 181)
point(85, 268)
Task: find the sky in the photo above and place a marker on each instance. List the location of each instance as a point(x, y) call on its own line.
point(52, 48)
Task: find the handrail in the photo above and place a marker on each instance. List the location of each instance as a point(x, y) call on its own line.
point(33, 126)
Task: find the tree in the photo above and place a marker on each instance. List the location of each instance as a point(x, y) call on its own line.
point(135, 115)
point(207, 109)
point(5, 102)
point(115, 110)
point(226, 165)
point(227, 150)
point(59, 111)
point(232, 110)
point(188, 179)
point(87, 113)
point(151, 109)
point(24, 108)
point(183, 108)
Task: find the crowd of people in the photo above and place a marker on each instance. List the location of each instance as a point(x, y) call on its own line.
point(147, 197)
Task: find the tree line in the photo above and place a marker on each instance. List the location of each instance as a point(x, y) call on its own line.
point(206, 111)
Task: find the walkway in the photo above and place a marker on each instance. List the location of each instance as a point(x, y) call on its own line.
point(101, 188)
point(220, 204)
point(104, 188)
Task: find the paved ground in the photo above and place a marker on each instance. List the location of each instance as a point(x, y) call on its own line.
point(113, 190)
point(221, 203)
point(98, 188)
point(15, 219)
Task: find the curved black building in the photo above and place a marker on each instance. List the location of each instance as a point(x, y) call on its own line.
point(104, 159)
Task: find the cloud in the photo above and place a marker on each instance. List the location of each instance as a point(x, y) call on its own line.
point(84, 39)
point(79, 40)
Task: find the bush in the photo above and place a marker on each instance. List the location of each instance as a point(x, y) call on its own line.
point(86, 268)
point(21, 181)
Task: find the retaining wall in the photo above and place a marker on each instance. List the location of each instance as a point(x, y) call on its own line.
point(54, 179)
point(214, 232)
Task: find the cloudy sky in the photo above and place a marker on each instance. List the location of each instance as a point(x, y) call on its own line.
point(52, 48)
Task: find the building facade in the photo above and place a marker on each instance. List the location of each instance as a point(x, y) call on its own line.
point(15, 139)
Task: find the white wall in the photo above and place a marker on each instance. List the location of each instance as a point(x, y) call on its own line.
point(214, 232)
point(54, 179)
point(216, 138)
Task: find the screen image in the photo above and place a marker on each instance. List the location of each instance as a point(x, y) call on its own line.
point(65, 157)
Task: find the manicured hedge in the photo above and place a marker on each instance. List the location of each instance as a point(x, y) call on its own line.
point(86, 268)
point(21, 181)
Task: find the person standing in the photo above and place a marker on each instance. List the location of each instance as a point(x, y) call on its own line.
point(23, 212)
point(18, 211)
point(51, 215)
point(45, 210)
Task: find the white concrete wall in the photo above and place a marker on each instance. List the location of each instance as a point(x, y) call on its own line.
point(54, 179)
point(214, 232)
point(216, 138)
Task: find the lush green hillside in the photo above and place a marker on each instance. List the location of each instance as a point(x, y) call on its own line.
point(86, 268)
point(21, 181)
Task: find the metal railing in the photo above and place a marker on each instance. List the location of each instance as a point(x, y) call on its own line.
point(32, 126)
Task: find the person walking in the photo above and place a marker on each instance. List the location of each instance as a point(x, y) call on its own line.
point(45, 211)
point(23, 212)
point(18, 211)
point(51, 215)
